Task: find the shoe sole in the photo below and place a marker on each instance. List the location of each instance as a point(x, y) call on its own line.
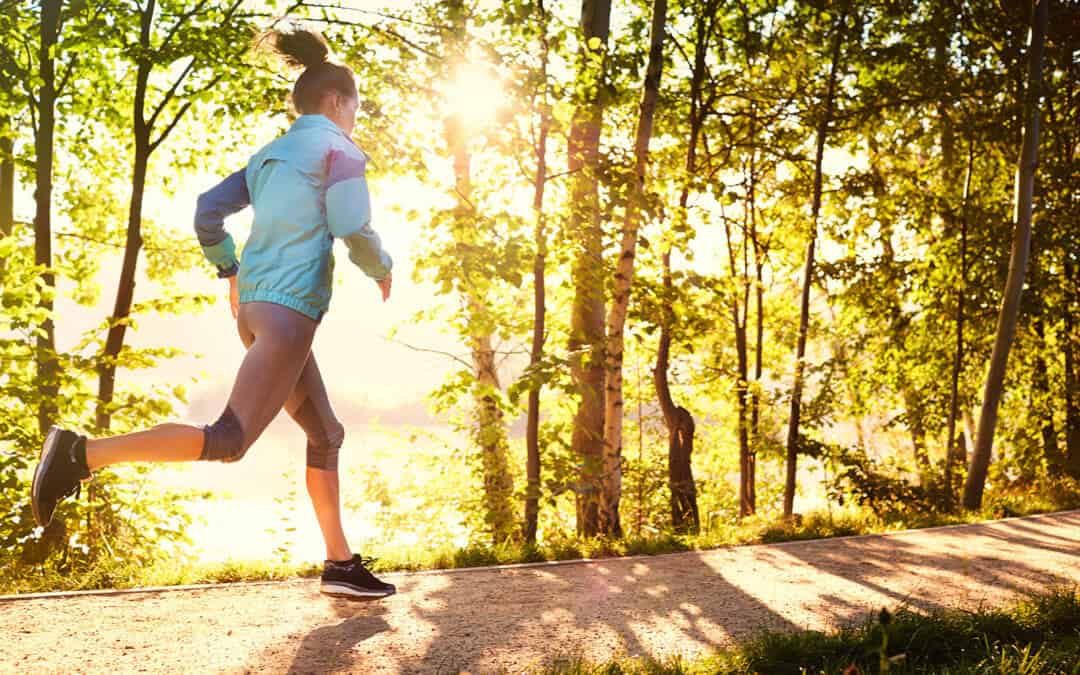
point(341, 591)
point(48, 454)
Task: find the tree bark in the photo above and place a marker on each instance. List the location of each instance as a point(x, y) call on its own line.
point(624, 276)
point(1010, 306)
point(586, 342)
point(45, 351)
point(532, 424)
point(808, 269)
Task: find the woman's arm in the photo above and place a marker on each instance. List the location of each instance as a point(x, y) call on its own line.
point(348, 213)
point(212, 207)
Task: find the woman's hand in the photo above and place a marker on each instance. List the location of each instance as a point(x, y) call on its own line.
point(384, 286)
point(234, 297)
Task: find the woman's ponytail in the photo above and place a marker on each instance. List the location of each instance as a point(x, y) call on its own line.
point(302, 47)
point(298, 47)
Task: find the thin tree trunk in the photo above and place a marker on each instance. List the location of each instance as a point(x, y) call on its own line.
point(587, 310)
point(624, 276)
point(759, 327)
point(532, 425)
point(7, 179)
point(126, 290)
point(948, 217)
point(491, 434)
point(1010, 305)
point(678, 420)
point(1072, 369)
point(45, 352)
point(917, 428)
point(808, 270)
point(145, 145)
point(759, 285)
point(494, 446)
point(958, 355)
point(1055, 459)
point(969, 433)
point(680, 423)
point(738, 322)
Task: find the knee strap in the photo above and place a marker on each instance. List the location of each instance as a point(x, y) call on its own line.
point(322, 451)
point(223, 441)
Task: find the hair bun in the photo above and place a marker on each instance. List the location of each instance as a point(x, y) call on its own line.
point(298, 46)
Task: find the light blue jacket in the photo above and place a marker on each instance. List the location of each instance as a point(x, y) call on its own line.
point(307, 187)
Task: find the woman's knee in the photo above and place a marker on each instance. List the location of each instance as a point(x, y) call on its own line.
point(225, 439)
point(322, 450)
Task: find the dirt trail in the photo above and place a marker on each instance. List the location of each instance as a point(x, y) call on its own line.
point(494, 620)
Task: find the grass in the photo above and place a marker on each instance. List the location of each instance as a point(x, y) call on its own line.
point(752, 530)
point(1039, 635)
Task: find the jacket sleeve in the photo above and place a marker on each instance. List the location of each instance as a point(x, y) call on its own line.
point(212, 207)
point(348, 212)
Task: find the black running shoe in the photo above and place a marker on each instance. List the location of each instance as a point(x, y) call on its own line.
point(351, 579)
point(59, 471)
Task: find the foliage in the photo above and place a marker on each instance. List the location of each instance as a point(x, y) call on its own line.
point(122, 520)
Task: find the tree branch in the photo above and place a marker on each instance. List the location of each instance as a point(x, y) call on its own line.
point(377, 29)
point(432, 351)
point(373, 12)
point(101, 242)
point(169, 94)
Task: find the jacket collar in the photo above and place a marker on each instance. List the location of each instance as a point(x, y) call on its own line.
point(315, 121)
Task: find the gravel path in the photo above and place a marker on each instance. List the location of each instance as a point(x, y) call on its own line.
point(500, 619)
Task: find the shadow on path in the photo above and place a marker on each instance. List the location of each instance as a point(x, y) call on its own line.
point(338, 646)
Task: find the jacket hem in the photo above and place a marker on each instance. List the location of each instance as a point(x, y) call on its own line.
point(308, 309)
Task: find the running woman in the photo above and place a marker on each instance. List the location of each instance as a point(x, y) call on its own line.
point(306, 187)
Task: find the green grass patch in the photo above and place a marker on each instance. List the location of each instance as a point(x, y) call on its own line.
point(1038, 635)
point(851, 520)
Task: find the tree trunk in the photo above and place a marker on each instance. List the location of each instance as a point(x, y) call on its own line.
point(680, 424)
point(808, 270)
point(45, 352)
point(958, 355)
point(624, 276)
point(759, 327)
point(494, 446)
point(738, 322)
point(491, 434)
point(1055, 460)
point(1010, 305)
point(7, 179)
point(586, 342)
point(917, 428)
point(125, 292)
point(1072, 370)
point(678, 420)
point(532, 425)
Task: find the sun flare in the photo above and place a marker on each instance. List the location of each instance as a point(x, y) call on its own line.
point(474, 94)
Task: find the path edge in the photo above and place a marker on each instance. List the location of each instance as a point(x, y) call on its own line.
point(106, 592)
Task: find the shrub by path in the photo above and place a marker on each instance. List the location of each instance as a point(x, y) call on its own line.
point(512, 619)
